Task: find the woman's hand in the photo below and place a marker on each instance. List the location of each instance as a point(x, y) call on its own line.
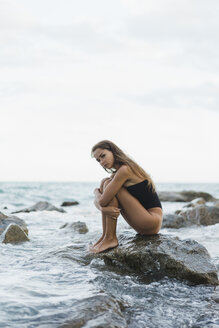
point(111, 211)
point(96, 191)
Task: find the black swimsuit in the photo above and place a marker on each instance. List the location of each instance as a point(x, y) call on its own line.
point(144, 194)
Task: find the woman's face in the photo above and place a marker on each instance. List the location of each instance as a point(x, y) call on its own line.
point(104, 157)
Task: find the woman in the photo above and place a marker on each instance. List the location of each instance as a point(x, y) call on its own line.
point(129, 191)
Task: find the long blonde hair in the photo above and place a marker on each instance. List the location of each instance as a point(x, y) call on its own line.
point(122, 159)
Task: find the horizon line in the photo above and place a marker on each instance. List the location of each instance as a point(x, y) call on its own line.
point(95, 181)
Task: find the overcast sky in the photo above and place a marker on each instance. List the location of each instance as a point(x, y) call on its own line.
point(144, 74)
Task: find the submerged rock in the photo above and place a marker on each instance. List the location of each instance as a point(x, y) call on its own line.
point(195, 202)
point(78, 226)
point(40, 206)
point(216, 203)
point(215, 296)
point(154, 257)
point(184, 196)
point(14, 234)
point(97, 311)
point(70, 203)
point(199, 215)
point(174, 221)
point(6, 220)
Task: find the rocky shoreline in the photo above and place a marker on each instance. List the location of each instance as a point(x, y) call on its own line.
point(151, 257)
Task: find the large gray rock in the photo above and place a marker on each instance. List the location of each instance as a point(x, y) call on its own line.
point(97, 311)
point(174, 221)
point(199, 215)
point(40, 206)
point(78, 226)
point(14, 234)
point(195, 202)
point(6, 220)
point(154, 257)
point(183, 196)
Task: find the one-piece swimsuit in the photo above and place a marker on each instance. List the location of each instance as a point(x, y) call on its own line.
point(144, 194)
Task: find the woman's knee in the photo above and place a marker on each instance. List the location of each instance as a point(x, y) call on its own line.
point(102, 183)
point(106, 182)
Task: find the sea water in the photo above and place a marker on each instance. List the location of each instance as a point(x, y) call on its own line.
point(41, 281)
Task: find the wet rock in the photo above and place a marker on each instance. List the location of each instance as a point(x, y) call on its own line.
point(215, 296)
point(183, 196)
point(174, 221)
point(70, 203)
point(199, 215)
point(78, 226)
point(14, 234)
point(97, 311)
point(154, 257)
point(195, 202)
point(2, 216)
point(6, 220)
point(40, 206)
point(202, 215)
point(216, 203)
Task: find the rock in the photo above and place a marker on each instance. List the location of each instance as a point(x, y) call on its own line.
point(14, 234)
point(6, 220)
point(215, 296)
point(174, 221)
point(78, 226)
point(157, 256)
point(202, 215)
point(216, 203)
point(3, 216)
point(70, 203)
point(41, 206)
point(199, 215)
point(97, 311)
point(195, 202)
point(183, 196)
point(5, 208)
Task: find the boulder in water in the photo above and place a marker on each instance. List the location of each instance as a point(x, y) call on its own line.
point(78, 226)
point(199, 215)
point(40, 206)
point(215, 296)
point(195, 202)
point(14, 234)
point(6, 220)
point(157, 256)
point(96, 311)
point(216, 203)
point(174, 221)
point(72, 203)
point(184, 196)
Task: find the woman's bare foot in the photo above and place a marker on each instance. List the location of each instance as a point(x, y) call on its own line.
point(99, 240)
point(104, 245)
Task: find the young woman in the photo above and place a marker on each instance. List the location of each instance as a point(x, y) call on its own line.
point(129, 191)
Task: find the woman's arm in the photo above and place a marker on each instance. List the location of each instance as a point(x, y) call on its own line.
point(121, 176)
point(111, 211)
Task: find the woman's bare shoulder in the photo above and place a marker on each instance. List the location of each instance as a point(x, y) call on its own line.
point(124, 170)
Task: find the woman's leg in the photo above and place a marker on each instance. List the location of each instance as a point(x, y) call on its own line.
point(109, 239)
point(145, 222)
point(103, 217)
